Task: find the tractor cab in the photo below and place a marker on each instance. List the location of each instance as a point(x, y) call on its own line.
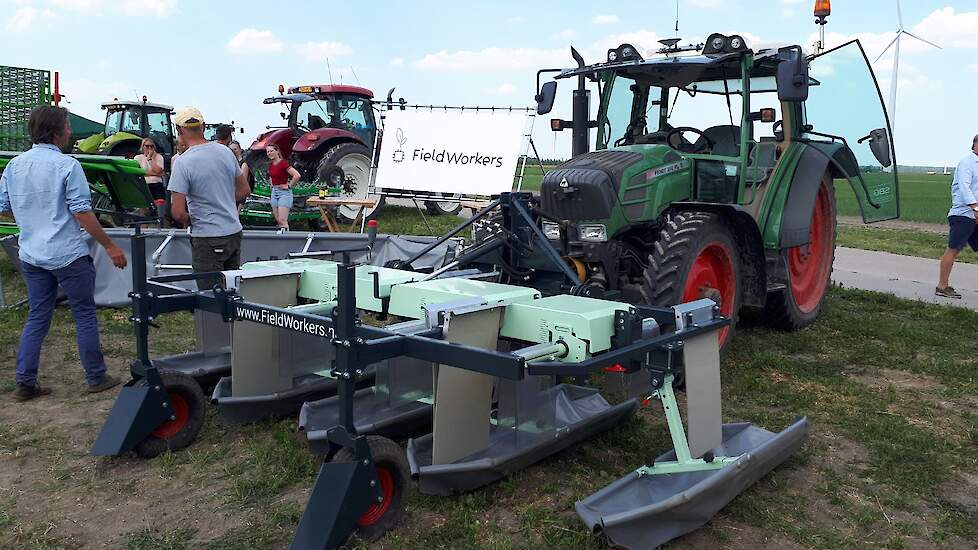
point(126, 124)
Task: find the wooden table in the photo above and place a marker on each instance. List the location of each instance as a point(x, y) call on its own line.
point(329, 219)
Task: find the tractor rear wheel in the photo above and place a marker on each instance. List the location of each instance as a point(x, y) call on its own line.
point(809, 268)
point(696, 257)
point(394, 477)
point(188, 403)
point(353, 160)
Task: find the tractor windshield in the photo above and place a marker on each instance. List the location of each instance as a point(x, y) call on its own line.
point(315, 114)
point(132, 121)
point(113, 121)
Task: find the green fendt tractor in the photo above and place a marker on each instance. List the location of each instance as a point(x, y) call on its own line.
point(714, 173)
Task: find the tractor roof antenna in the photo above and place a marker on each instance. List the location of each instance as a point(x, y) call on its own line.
point(355, 75)
point(677, 17)
point(891, 108)
point(329, 72)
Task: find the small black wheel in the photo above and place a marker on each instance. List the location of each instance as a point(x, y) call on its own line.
point(188, 402)
point(394, 476)
point(444, 208)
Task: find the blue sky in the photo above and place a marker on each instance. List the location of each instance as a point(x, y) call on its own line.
point(225, 56)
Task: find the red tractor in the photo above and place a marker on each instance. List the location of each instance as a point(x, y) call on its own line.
point(328, 137)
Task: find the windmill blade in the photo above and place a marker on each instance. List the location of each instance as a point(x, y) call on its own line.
point(922, 39)
point(899, 15)
point(892, 42)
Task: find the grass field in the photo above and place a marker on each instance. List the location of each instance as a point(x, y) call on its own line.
point(891, 462)
point(923, 198)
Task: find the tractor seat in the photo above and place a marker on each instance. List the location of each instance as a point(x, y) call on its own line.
point(726, 140)
point(652, 138)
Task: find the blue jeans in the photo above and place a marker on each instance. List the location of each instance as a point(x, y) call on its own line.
point(78, 281)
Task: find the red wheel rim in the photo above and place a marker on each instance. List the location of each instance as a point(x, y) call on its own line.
point(809, 266)
point(712, 276)
point(378, 509)
point(181, 413)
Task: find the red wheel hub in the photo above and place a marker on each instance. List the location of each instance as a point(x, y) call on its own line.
point(181, 413)
point(712, 276)
point(377, 510)
point(809, 266)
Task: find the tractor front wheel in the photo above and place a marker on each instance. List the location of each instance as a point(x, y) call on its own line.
point(442, 208)
point(393, 475)
point(696, 257)
point(809, 268)
point(188, 403)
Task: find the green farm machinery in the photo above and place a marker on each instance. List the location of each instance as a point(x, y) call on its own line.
point(698, 188)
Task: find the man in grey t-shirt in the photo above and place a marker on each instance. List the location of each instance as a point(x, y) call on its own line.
point(205, 187)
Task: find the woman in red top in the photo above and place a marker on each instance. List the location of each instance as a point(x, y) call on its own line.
point(283, 177)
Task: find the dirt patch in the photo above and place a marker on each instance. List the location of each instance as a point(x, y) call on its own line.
point(938, 228)
point(963, 491)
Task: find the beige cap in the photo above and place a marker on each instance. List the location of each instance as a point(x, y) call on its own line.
point(189, 117)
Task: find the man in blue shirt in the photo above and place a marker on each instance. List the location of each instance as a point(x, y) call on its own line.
point(961, 218)
point(47, 192)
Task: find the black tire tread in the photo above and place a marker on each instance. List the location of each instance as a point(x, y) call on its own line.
point(663, 279)
point(184, 384)
point(388, 454)
point(779, 310)
point(331, 158)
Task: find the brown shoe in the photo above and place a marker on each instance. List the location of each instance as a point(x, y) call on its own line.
point(26, 393)
point(947, 292)
point(108, 382)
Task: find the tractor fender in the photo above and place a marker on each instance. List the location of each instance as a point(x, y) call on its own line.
point(796, 216)
point(280, 136)
point(750, 245)
point(317, 139)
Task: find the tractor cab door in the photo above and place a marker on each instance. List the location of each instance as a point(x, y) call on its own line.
point(845, 119)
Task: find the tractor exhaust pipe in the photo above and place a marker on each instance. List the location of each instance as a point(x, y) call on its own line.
point(581, 111)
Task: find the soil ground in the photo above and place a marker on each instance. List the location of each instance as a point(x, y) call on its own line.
point(892, 461)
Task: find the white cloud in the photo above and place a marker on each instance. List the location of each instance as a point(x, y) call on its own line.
point(397, 62)
point(154, 8)
point(88, 6)
point(953, 29)
point(24, 18)
point(503, 89)
point(644, 40)
point(318, 51)
point(606, 19)
point(492, 59)
point(254, 41)
point(517, 19)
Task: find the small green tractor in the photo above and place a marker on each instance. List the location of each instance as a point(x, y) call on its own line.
point(126, 124)
point(714, 174)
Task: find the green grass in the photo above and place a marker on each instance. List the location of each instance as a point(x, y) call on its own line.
point(899, 241)
point(923, 198)
point(405, 220)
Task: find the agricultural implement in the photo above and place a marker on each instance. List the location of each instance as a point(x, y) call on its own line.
point(698, 188)
point(482, 368)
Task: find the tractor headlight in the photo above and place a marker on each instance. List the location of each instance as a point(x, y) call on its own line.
point(717, 43)
point(612, 55)
point(551, 230)
point(593, 232)
point(736, 43)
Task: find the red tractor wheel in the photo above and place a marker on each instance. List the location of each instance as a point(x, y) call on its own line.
point(809, 268)
point(188, 403)
point(696, 257)
point(394, 476)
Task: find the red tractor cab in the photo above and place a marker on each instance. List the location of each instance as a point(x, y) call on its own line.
point(329, 137)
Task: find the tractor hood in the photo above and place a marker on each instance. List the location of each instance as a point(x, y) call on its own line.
point(90, 144)
point(593, 185)
point(109, 143)
point(312, 140)
point(279, 136)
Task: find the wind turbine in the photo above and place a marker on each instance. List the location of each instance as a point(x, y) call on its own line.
point(895, 43)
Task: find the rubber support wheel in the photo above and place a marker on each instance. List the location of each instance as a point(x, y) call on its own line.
point(443, 208)
point(394, 476)
point(189, 404)
point(809, 268)
point(696, 257)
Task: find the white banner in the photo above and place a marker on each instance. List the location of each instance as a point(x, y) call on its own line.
point(459, 152)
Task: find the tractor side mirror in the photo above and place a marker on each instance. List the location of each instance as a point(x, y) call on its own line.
point(879, 144)
point(284, 115)
point(545, 99)
point(792, 76)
